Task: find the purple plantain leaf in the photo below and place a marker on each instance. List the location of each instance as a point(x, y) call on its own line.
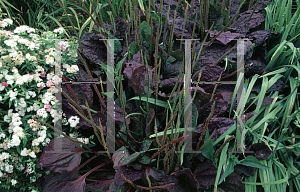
point(150, 117)
point(129, 172)
point(154, 174)
point(242, 169)
point(66, 159)
point(122, 157)
point(242, 26)
point(226, 37)
point(53, 180)
point(101, 185)
point(139, 79)
point(209, 73)
point(261, 151)
point(206, 174)
point(184, 181)
point(233, 183)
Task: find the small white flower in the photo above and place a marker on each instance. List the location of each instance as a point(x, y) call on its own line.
point(42, 112)
point(2, 135)
point(7, 20)
point(80, 139)
point(49, 76)
point(35, 142)
point(2, 87)
point(75, 67)
point(40, 139)
point(41, 84)
point(3, 24)
point(21, 29)
point(56, 79)
point(13, 182)
point(32, 154)
point(49, 60)
point(71, 70)
point(10, 43)
point(66, 66)
point(23, 41)
point(22, 167)
point(35, 106)
point(59, 30)
point(24, 152)
point(73, 120)
point(30, 30)
point(20, 80)
point(31, 46)
point(86, 140)
point(9, 77)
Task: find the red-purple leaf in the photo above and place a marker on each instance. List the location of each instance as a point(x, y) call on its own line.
point(150, 117)
point(261, 151)
point(119, 115)
point(66, 159)
point(220, 107)
point(119, 155)
point(233, 183)
point(184, 181)
point(154, 174)
point(53, 180)
point(138, 79)
point(220, 124)
point(76, 185)
point(242, 169)
point(206, 174)
point(259, 37)
point(93, 48)
point(209, 73)
point(226, 37)
point(242, 26)
point(82, 91)
point(122, 157)
point(101, 185)
point(129, 172)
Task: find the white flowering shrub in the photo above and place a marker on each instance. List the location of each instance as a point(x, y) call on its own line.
point(27, 88)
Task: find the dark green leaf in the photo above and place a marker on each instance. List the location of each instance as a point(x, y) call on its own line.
point(253, 162)
point(208, 150)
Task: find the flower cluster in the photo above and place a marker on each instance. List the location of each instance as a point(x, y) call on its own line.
point(5, 22)
point(27, 88)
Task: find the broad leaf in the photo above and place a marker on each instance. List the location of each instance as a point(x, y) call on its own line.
point(122, 157)
point(253, 162)
point(154, 174)
point(184, 181)
point(233, 183)
point(53, 180)
point(102, 185)
point(66, 159)
point(261, 151)
point(206, 174)
point(129, 173)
